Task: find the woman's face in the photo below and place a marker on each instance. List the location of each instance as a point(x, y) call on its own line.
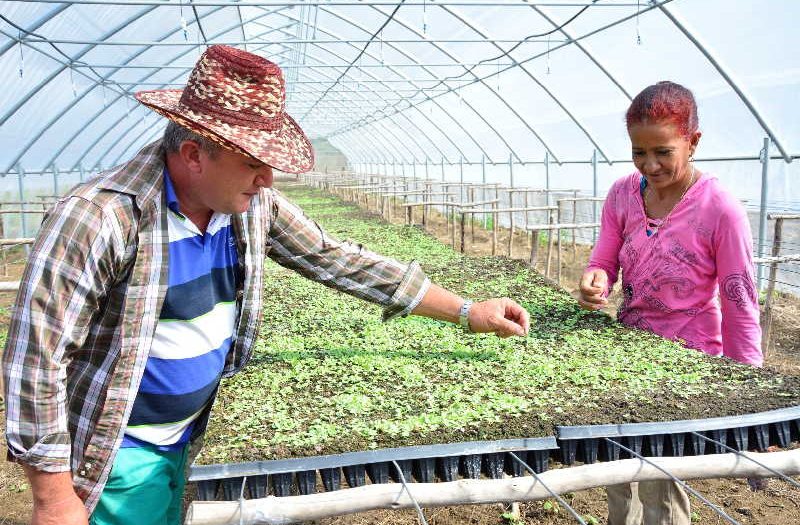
point(661, 153)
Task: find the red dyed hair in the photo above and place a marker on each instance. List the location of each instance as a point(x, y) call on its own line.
point(664, 102)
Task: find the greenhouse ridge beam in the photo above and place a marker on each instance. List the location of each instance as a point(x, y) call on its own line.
point(314, 3)
point(183, 43)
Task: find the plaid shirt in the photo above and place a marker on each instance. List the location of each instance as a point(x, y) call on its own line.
point(92, 291)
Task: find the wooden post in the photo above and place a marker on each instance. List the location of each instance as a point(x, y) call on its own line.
point(410, 216)
point(574, 220)
point(463, 229)
point(558, 256)
point(494, 227)
point(426, 198)
point(773, 273)
point(534, 248)
point(472, 217)
point(511, 228)
point(453, 230)
point(2, 251)
point(549, 246)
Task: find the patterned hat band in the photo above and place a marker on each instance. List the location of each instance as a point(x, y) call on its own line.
point(227, 111)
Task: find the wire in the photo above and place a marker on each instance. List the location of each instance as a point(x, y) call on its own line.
point(360, 54)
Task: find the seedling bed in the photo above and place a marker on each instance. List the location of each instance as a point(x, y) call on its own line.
point(328, 377)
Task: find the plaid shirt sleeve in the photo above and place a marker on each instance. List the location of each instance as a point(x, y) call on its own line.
point(300, 244)
point(71, 265)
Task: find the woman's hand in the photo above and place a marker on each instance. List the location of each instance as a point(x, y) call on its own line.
point(594, 284)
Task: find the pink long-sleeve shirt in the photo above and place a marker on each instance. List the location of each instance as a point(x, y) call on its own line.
point(692, 280)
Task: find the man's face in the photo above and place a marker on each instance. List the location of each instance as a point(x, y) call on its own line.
point(226, 181)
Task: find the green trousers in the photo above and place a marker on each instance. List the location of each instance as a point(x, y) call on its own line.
point(145, 488)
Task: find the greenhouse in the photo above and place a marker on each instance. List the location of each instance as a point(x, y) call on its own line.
point(483, 147)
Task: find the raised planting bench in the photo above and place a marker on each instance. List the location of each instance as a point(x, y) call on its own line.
point(332, 395)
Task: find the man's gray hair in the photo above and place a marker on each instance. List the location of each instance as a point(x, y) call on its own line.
point(175, 134)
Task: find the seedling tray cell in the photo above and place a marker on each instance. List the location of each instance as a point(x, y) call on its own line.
point(448, 468)
point(207, 489)
point(514, 467)
point(282, 484)
point(493, 465)
point(355, 475)
point(740, 438)
point(405, 468)
point(257, 486)
point(231, 489)
point(471, 466)
point(331, 478)
point(379, 472)
point(720, 437)
point(676, 444)
point(307, 482)
point(425, 470)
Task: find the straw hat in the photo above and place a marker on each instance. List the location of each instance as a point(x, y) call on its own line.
point(237, 99)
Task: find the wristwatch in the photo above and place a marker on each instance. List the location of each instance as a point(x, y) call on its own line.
point(463, 315)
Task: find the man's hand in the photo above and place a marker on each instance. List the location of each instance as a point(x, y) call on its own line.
point(54, 499)
point(594, 284)
point(503, 317)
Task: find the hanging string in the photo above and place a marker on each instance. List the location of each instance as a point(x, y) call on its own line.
point(548, 54)
point(72, 81)
point(425, 17)
point(184, 25)
point(21, 57)
point(498, 76)
point(638, 35)
point(380, 40)
point(105, 99)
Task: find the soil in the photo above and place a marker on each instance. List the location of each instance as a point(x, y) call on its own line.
point(777, 504)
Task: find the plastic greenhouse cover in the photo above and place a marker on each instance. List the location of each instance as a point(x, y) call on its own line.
point(563, 94)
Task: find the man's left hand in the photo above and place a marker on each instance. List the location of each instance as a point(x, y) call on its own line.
point(503, 317)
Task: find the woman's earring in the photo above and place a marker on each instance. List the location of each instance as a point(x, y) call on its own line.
point(691, 157)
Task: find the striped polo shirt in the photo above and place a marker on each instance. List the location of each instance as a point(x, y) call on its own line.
point(194, 331)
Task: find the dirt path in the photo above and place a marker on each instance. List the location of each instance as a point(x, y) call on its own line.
point(779, 504)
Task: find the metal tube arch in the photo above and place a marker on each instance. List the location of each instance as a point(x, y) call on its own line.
point(11, 112)
point(337, 55)
point(167, 35)
point(402, 75)
point(36, 25)
point(727, 75)
point(461, 18)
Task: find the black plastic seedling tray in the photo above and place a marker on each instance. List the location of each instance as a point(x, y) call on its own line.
point(470, 460)
point(423, 464)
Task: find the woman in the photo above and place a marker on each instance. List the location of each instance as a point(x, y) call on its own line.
point(680, 240)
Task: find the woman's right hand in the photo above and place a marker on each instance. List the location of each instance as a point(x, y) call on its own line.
point(593, 286)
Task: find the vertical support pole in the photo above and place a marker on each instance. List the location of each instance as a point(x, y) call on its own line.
point(511, 225)
point(55, 180)
point(558, 256)
point(547, 176)
point(777, 239)
point(549, 244)
point(443, 169)
point(574, 221)
point(511, 170)
point(426, 168)
point(762, 212)
point(483, 193)
point(494, 227)
point(594, 194)
point(394, 168)
point(21, 188)
point(463, 229)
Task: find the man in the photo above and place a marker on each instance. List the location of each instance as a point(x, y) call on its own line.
point(143, 289)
